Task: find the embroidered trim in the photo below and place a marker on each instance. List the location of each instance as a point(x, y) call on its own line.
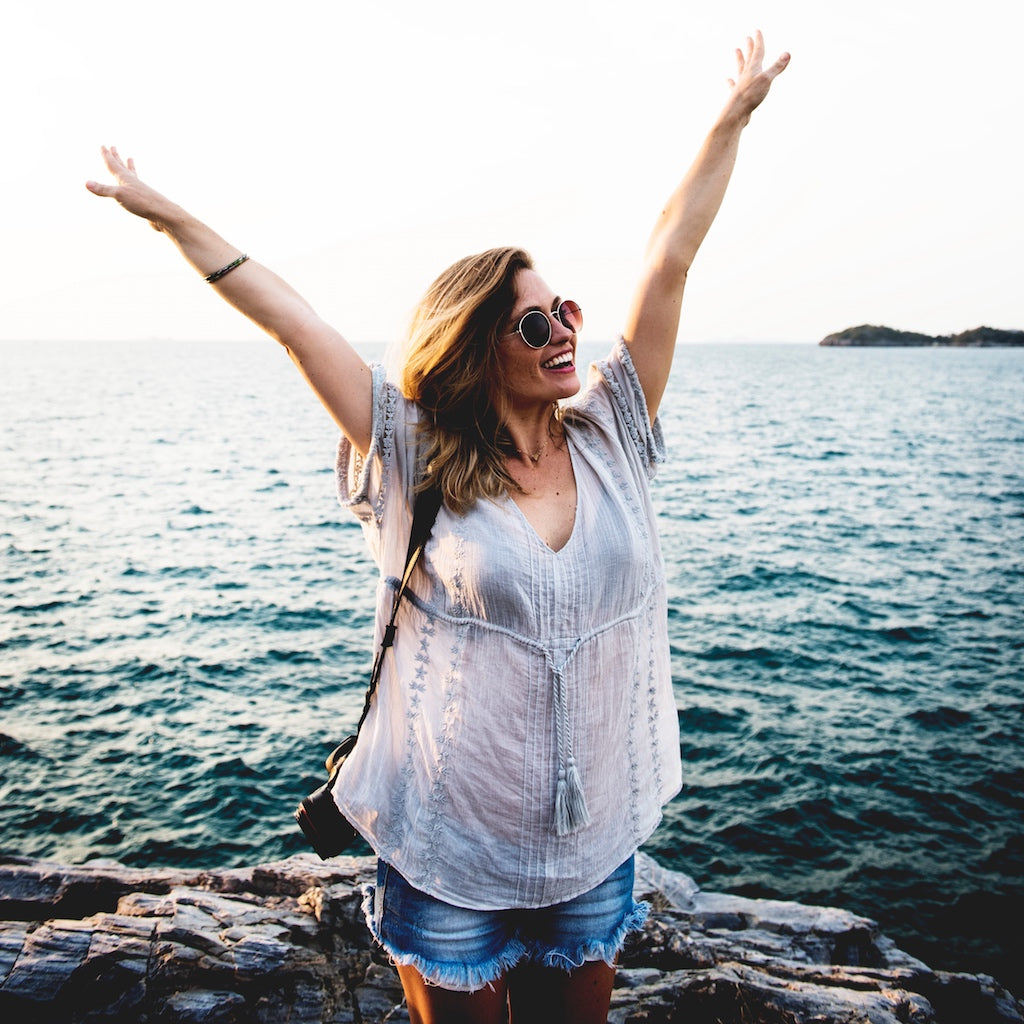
point(653, 714)
point(353, 470)
point(647, 440)
point(417, 687)
point(386, 411)
point(633, 753)
point(449, 715)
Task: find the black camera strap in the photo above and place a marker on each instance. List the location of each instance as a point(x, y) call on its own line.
point(425, 509)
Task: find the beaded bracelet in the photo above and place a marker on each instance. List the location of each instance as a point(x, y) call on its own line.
point(218, 274)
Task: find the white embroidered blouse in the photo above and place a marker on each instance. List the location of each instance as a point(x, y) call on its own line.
point(514, 665)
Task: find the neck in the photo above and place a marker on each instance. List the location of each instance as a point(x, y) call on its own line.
point(535, 435)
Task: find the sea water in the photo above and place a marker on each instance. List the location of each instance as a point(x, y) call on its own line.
point(185, 620)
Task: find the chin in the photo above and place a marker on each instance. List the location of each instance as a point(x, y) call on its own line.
point(571, 387)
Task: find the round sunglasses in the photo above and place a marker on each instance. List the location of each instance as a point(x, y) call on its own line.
point(535, 326)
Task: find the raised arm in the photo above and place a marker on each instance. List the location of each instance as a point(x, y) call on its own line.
point(332, 367)
point(653, 320)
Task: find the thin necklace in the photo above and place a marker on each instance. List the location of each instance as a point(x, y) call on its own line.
point(534, 457)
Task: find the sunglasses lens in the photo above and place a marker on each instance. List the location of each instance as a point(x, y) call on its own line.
point(570, 315)
point(535, 329)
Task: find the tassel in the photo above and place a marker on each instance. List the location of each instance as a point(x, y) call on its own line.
point(571, 812)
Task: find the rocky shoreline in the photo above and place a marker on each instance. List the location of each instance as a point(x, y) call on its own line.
point(285, 942)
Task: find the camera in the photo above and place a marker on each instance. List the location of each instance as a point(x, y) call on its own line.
point(328, 830)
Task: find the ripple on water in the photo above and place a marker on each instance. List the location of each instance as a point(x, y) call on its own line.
point(186, 622)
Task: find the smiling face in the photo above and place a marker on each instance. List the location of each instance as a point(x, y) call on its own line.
point(537, 376)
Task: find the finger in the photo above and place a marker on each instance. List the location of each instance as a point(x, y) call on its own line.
point(778, 67)
point(758, 44)
point(97, 188)
point(123, 165)
point(113, 160)
point(755, 52)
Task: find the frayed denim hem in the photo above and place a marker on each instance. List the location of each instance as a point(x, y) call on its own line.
point(456, 977)
point(608, 951)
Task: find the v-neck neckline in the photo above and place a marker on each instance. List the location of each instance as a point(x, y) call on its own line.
point(576, 510)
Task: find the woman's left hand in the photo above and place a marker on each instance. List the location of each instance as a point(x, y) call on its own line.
point(752, 81)
point(653, 321)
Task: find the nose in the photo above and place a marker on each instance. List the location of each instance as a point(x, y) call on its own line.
point(559, 331)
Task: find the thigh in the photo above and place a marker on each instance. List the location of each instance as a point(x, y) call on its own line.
point(572, 948)
point(549, 995)
point(428, 1004)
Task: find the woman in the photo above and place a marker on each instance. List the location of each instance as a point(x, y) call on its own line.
point(524, 736)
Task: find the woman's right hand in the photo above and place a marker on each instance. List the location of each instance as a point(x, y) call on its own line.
point(132, 192)
point(334, 370)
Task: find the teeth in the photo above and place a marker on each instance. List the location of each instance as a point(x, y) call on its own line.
point(565, 359)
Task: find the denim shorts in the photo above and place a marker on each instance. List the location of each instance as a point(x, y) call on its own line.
point(465, 950)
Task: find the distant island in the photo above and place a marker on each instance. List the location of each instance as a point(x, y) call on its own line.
point(889, 337)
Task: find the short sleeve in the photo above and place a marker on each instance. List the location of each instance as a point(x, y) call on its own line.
point(378, 488)
point(613, 387)
point(363, 481)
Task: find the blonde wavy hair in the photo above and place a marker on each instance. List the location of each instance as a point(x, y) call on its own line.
point(452, 371)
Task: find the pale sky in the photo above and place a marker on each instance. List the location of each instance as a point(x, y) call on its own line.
point(359, 148)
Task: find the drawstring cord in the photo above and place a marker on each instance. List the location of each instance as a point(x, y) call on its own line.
point(571, 812)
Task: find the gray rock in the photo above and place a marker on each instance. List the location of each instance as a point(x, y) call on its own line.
point(286, 942)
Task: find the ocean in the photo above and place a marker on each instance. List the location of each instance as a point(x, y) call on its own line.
point(185, 620)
